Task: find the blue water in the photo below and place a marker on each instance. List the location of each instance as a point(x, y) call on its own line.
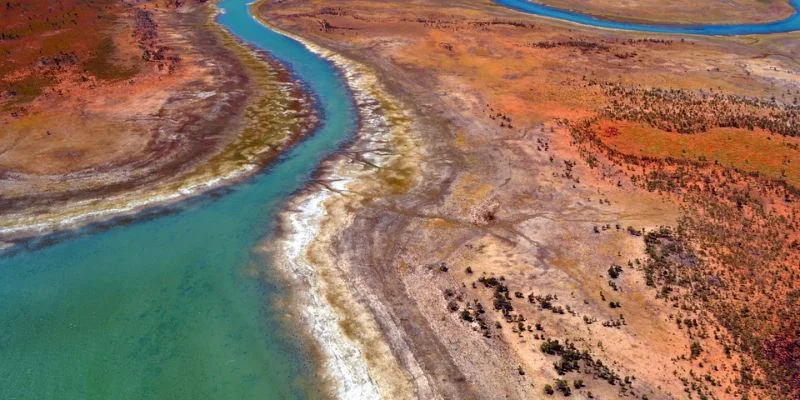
point(176, 306)
point(787, 25)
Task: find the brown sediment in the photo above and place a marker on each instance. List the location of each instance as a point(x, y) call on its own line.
point(219, 114)
point(509, 187)
point(340, 314)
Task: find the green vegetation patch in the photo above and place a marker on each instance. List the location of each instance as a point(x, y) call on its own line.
point(104, 64)
point(27, 89)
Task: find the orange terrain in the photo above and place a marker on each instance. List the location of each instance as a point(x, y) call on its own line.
point(617, 211)
point(104, 102)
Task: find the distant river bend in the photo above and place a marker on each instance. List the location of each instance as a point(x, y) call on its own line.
point(789, 24)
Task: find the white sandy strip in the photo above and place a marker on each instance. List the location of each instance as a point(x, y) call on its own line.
point(345, 363)
point(97, 210)
point(363, 367)
point(86, 212)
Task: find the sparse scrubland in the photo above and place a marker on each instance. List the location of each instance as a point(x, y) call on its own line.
point(601, 214)
point(587, 213)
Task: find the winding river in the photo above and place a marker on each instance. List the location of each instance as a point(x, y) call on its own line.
point(173, 307)
point(786, 25)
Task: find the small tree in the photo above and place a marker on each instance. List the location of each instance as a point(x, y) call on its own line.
point(696, 349)
point(548, 389)
point(563, 387)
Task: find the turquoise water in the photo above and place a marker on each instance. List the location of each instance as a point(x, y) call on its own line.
point(169, 308)
point(787, 25)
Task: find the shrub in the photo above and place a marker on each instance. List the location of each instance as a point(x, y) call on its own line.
point(696, 349)
point(548, 389)
point(563, 387)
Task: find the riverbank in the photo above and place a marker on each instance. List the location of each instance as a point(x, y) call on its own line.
point(239, 110)
point(176, 306)
point(341, 314)
point(354, 304)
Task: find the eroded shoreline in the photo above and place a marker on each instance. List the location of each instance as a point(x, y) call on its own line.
point(358, 362)
point(264, 130)
point(358, 358)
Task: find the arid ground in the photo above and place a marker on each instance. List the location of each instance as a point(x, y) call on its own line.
point(543, 209)
point(598, 213)
point(106, 103)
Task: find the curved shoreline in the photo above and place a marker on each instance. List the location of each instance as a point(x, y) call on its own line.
point(204, 243)
point(789, 24)
point(358, 361)
point(235, 162)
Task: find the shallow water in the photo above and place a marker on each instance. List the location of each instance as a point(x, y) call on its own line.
point(177, 306)
point(786, 25)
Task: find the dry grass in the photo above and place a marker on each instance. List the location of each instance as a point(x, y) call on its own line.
point(50, 38)
point(774, 156)
point(505, 81)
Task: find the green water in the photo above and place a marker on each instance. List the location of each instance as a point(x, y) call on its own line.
point(176, 306)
